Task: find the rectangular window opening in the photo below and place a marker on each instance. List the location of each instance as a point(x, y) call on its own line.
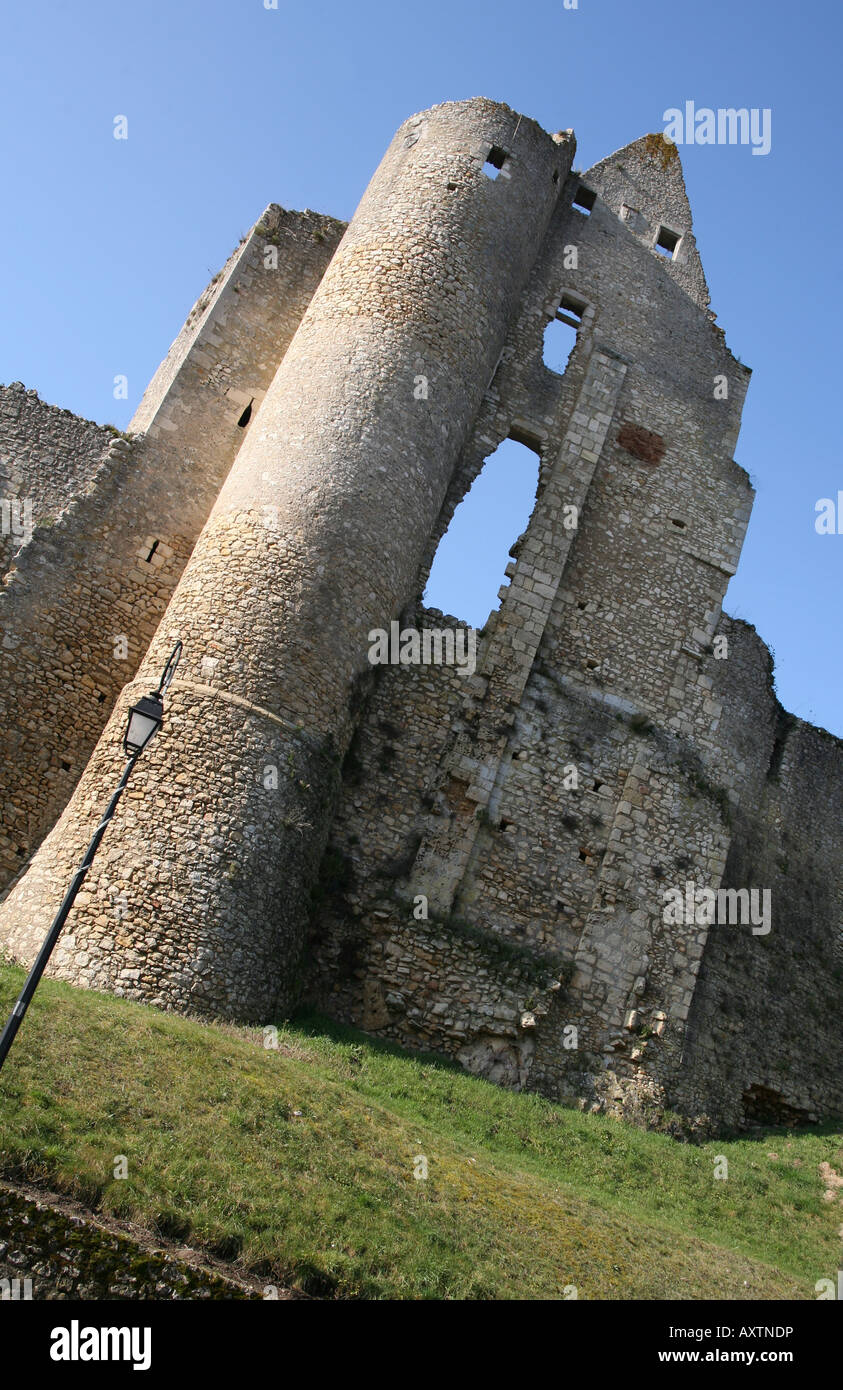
point(495, 161)
point(571, 310)
point(558, 342)
point(584, 199)
point(667, 242)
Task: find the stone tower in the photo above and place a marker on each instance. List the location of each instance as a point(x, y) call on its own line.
point(476, 866)
point(341, 461)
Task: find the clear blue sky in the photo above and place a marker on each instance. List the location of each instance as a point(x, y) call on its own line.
point(106, 244)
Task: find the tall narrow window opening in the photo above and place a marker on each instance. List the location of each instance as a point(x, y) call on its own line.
point(560, 335)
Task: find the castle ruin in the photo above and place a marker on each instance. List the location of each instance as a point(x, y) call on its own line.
point(479, 864)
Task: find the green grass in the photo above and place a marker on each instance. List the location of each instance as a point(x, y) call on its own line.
point(523, 1198)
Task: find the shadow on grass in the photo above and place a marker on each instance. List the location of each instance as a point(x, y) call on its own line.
point(316, 1025)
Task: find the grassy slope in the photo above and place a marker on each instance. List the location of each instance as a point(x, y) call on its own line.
point(523, 1197)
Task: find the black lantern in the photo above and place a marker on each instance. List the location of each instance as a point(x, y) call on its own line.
point(147, 716)
point(145, 719)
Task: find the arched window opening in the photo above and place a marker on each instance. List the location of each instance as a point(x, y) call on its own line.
point(470, 562)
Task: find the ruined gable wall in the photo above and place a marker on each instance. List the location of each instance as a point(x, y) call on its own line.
point(632, 617)
point(658, 541)
point(642, 185)
point(571, 883)
point(637, 322)
point(484, 825)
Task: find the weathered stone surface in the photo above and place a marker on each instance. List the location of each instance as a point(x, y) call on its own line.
point(473, 897)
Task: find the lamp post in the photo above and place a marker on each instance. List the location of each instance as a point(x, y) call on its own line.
point(145, 719)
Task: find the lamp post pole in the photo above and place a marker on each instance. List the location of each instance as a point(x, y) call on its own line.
point(145, 718)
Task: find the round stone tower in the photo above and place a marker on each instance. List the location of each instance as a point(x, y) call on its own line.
point(199, 897)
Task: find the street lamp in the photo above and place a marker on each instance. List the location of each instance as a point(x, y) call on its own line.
point(145, 719)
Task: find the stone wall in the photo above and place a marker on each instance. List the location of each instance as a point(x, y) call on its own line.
point(48, 457)
point(763, 1037)
point(562, 874)
point(556, 923)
